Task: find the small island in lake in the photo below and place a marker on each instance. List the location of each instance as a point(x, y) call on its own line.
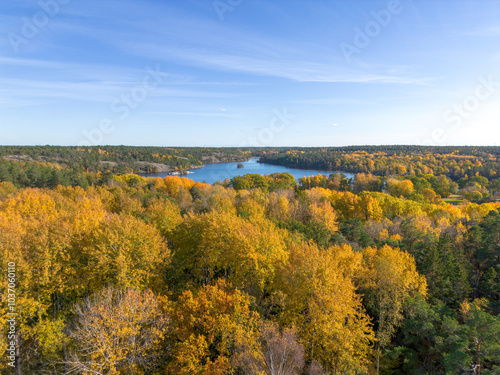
point(239, 165)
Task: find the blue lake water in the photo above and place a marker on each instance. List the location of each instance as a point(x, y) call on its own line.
point(211, 173)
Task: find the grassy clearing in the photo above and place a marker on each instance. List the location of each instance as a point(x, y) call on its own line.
point(454, 199)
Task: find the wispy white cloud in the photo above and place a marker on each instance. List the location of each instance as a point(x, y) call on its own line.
point(108, 73)
point(292, 69)
point(70, 71)
point(265, 54)
point(334, 101)
point(35, 92)
point(484, 31)
point(199, 114)
point(208, 44)
point(50, 80)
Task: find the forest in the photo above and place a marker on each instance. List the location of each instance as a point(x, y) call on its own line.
point(49, 166)
point(395, 271)
point(454, 162)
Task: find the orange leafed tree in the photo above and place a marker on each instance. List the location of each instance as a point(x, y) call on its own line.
point(208, 326)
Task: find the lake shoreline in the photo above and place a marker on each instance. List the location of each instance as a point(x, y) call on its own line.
point(220, 171)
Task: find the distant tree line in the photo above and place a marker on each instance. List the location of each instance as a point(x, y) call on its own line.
point(454, 162)
point(123, 159)
point(49, 166)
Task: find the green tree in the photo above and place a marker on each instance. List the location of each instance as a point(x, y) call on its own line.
point(431, 341)
point(390, 276)
point(445, 266)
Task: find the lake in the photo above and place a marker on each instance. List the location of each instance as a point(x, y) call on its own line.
point(211, 173)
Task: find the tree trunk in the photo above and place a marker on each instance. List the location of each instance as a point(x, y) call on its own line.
point(378, 360)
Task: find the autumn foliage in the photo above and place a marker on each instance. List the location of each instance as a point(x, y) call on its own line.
point(168, 276)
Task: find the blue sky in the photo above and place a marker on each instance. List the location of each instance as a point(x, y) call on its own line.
point(250, 72)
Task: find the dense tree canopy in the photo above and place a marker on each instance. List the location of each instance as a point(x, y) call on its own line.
point(142, 275)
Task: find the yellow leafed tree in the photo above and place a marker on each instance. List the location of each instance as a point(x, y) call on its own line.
point(118, 332)
point(321, 302)
point(389, 277)
point(215, 245)
point(208, 327)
